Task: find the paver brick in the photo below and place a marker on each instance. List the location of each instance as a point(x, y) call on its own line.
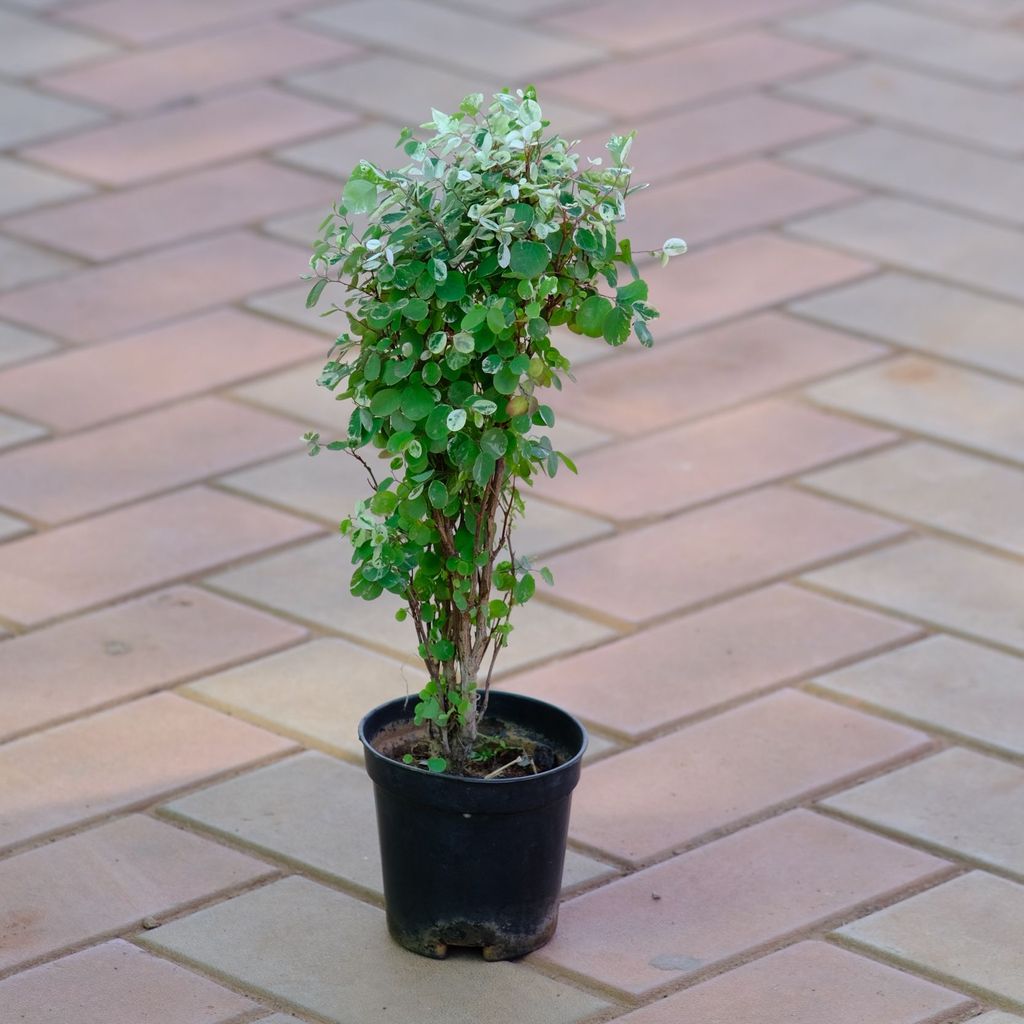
point(331, 685)
point(114, 224)
point(310, 582)
point(915, 38)
point(147, 21)
point(968, 931)
point(70, 568)
point(15, 431)
point(22, 264)
point(11, 526)
point(921, 168)
point(109, 465)
point(731, 545)
point(950, 585)
point(194, 354)
point(289, 304)
point(707, 659)
point(98, 985)
point(181, 139)
point(934, 398)
point(641, 85)
point(23, 186)
point(104, 881)
point(336, 154)
point(30, 115)
point(461, 38)
point(985, 11)
point(937, 318)
point(958, 802)
point(777, 750)
point(329, 954)
point(294, 392)
point(973, 114)
point(800, 983)
point(740, 197)
point(918, 237)
point(936, 486)
point(126, 651)
point(763, 884)
point(18, 344)
point(945, 684)
point(134, 293)
point(187, 70)
point(742, 276)
point(718, 456)
point(708, 371)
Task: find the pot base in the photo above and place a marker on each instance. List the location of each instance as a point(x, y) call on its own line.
point(493, 942)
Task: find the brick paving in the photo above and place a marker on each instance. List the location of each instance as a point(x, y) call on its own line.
point(790, 575)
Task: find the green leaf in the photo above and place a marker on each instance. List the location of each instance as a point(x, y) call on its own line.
point(314, 292)
point(383, 503)
point(401, 615)
point(525, 589)
point(437, 494)
point(591, 315)
point(644, 335)
point(635, 291)
point(463, 342)
point(442, 649)
point(453, 287)
point(506, 381)
point(408, 759)
point(436, 427)
point(483, 468)
point(439, 270)
point(456, 419)
point(529, 259)
point(371, 368)
point(494, 442)
point(415, 310)
point(616, 326)
point(496, 319)
point(431, 374)
point(359, 196)
point(497, 609)
point(417, 402)
point(385, 402)
point(547, 576)
point(475, 317)
point(436, 764)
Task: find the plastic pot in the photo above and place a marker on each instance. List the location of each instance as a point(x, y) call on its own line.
point(474, 862)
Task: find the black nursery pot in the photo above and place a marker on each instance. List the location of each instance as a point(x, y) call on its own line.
point(474, 862)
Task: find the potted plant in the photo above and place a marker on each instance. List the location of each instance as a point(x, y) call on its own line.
point(455, 269)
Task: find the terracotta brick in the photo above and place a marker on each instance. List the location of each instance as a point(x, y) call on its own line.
point(126, 651)
point(691, 665)
point(707, 371)
point(145, 21)
point(777, 750)
point(806, 984)
point(193, 355)
point(647, 24)
point(762, 885)
point(121, 297)
point(181, 139)
point(712, 458)
point(742, 276)
point(135, 753)
point(105, 881)
point(711, 551)
point(98, 985)
point(638, 86)
point(106, 226)
point(187, 70)
point(128, 550)
point(134, 458)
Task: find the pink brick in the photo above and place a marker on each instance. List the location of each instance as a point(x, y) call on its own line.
point(637, 86)
point(105, 881)
point(126, 651)
point(740, 276)
point(186, 70)
point(762, 885)
point(642, 391)
point(106, 226)
point(709, 552)
point(780, 749)
point(144, 21)
point(750, 195)
point(180, 139)
point(105, 301)
point(117, 983)
point(709, 459)
point(97, 469)
point(691, 665)
point(202, 353)
point(131, 549)
point(649, 24)
point(716, 132)
point(808, 983)
point(118, 760)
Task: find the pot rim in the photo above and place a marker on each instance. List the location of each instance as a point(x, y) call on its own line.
point(445, 779)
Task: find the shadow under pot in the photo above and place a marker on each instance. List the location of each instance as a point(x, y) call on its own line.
point(471, 861)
